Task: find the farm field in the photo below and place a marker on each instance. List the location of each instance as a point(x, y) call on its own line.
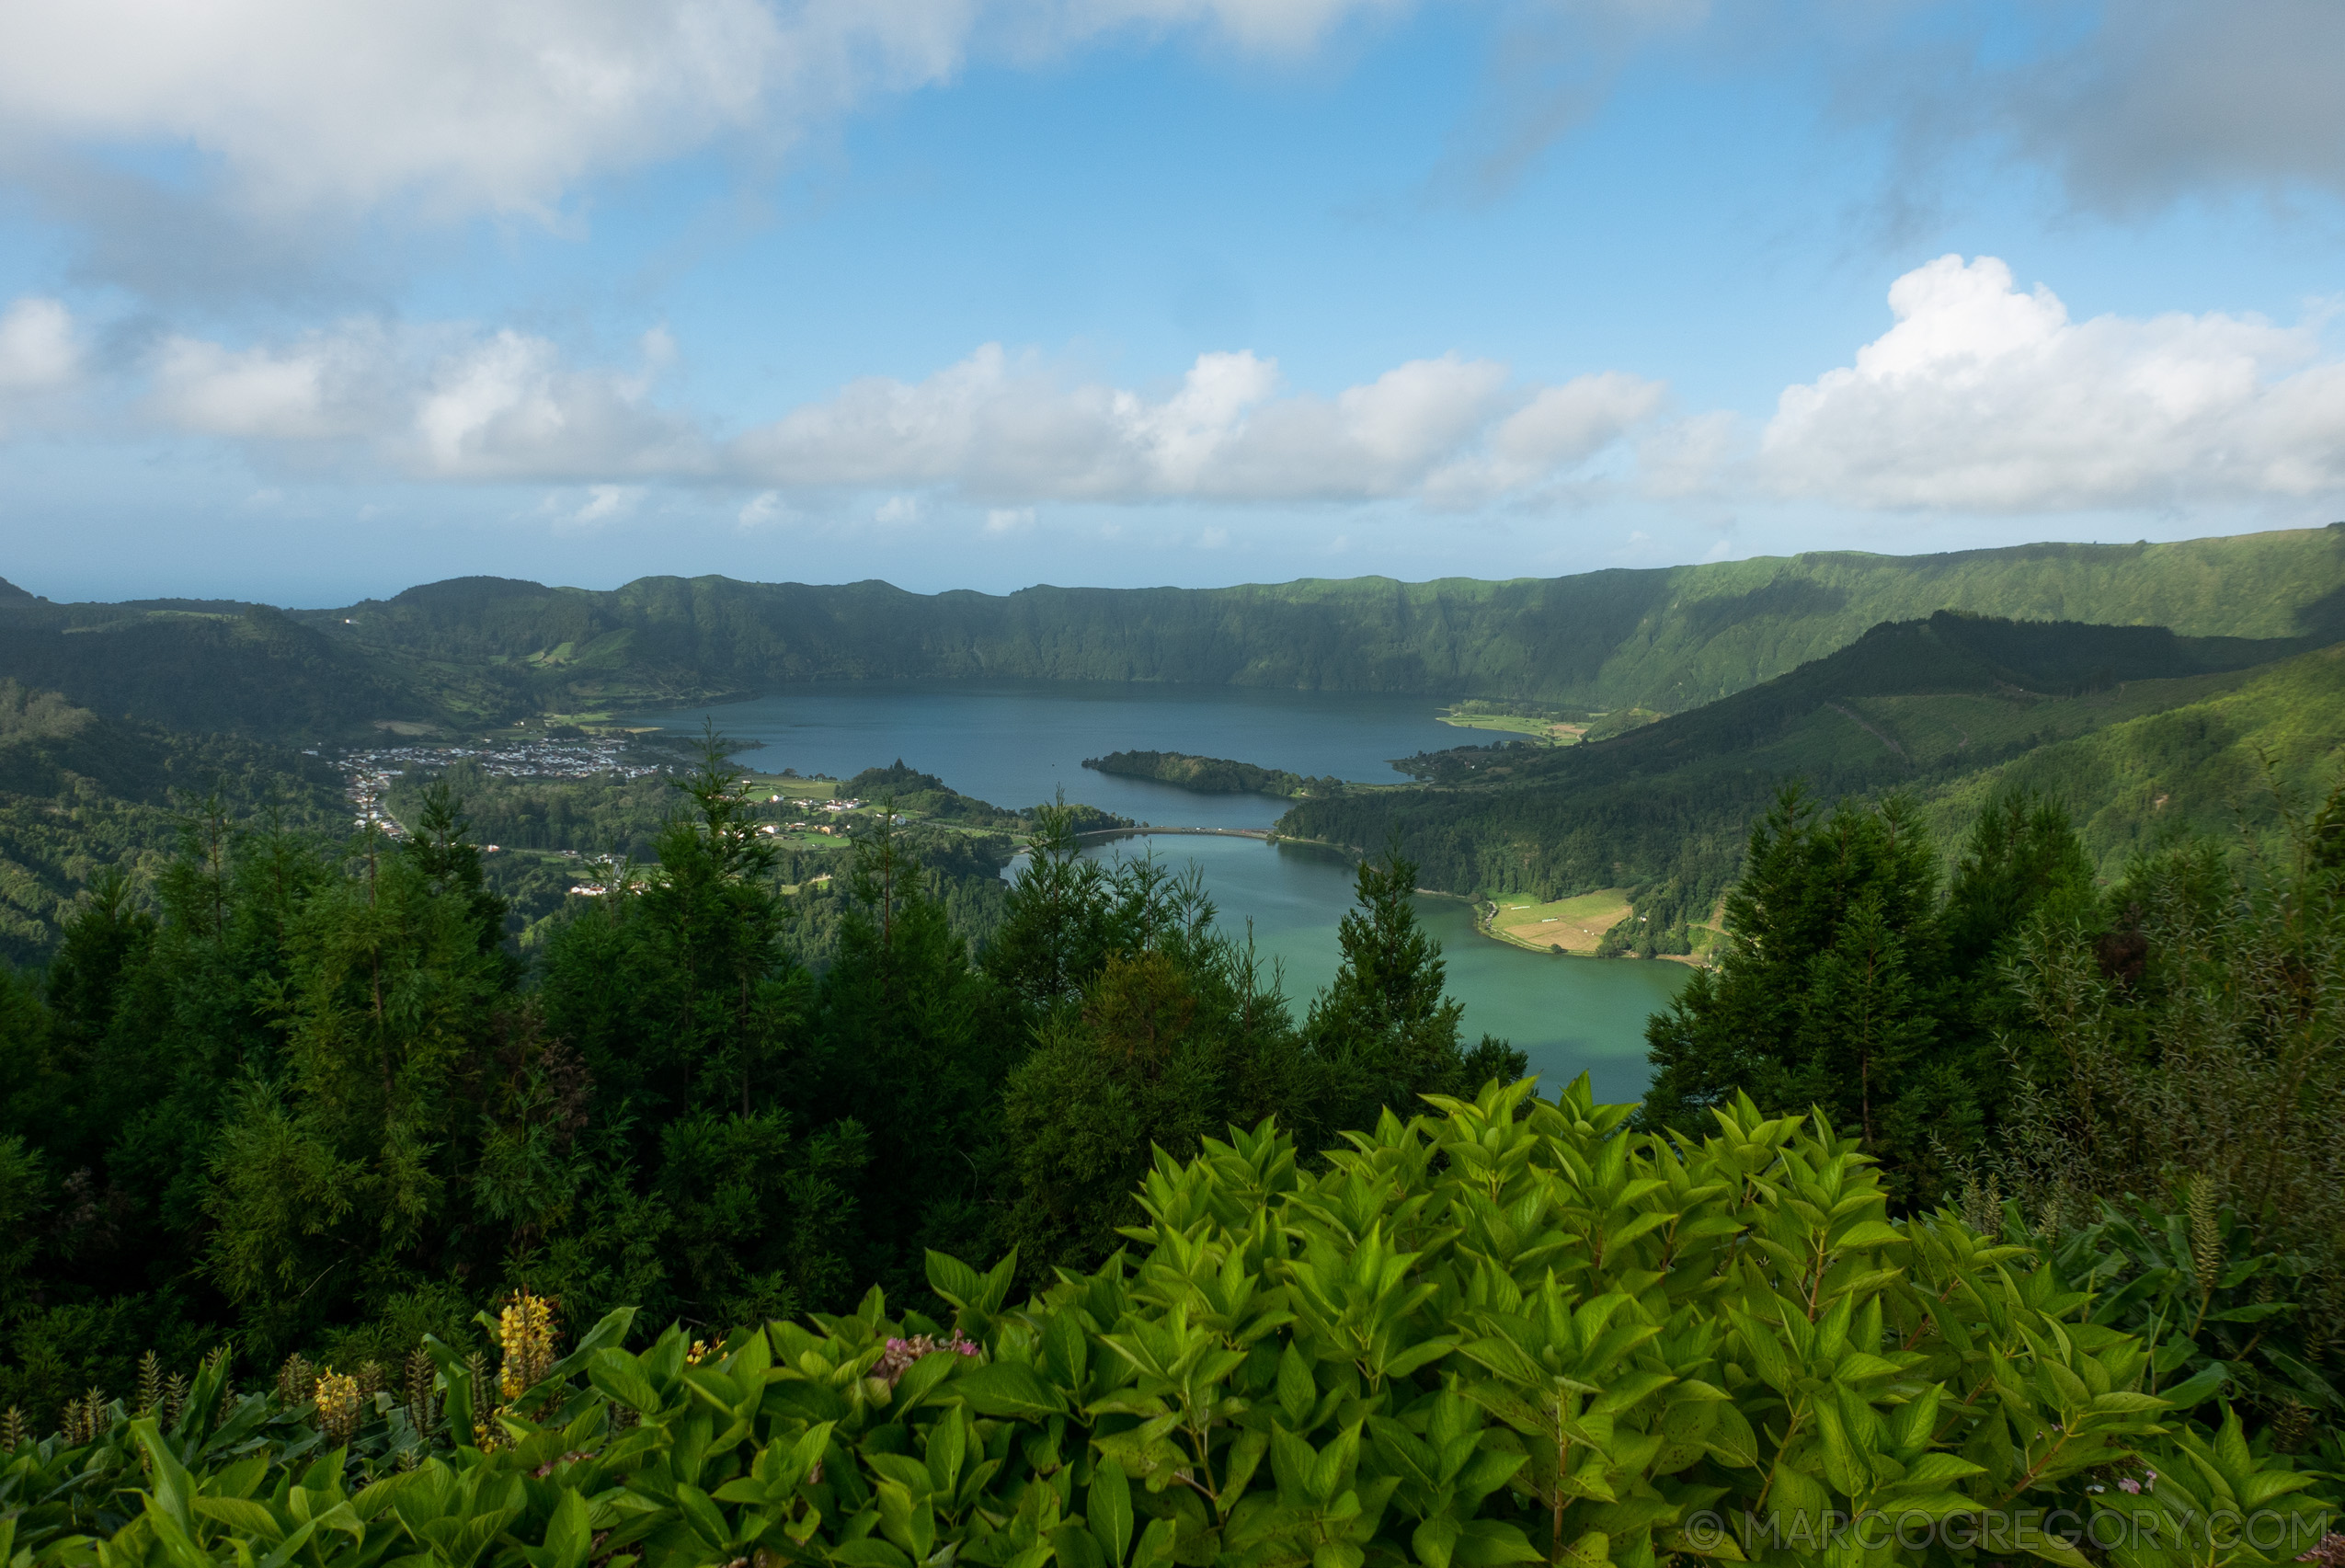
point(1555, 732)
point(1575, 924)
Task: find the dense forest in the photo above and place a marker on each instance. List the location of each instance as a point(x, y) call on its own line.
point(316, 1099)
point(2051, 1264)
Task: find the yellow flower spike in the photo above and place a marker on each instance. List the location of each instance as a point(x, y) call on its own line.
point(337, 1406)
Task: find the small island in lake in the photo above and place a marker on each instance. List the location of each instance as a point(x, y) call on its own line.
point(1211, 775)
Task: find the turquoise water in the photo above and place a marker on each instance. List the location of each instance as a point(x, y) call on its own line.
point(1572, 1015)
point(1013, 744)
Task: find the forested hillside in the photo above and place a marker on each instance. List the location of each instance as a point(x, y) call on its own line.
point(475, 651)
point(1931, 706)
point(81, 796)
point(1668, 638)
point(200, 667)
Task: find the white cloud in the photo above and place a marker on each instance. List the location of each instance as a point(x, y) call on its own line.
point(605, 501)
point(506, 106)
point(1559, 428)
point(1000, 429)
point(434, 403)
point(1983, 398)
point(328, 385)
point(1007, 427)
point(1003, 520)
point(602, 506)
point(38, 351)
point(511, 407)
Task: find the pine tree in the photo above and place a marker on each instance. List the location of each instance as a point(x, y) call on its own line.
point(1055, 929)
point(1384, 1025)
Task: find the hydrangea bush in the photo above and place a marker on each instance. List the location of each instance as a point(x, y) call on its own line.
point(1509, 1330)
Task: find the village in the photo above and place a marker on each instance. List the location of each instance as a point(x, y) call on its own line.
point(368, 773)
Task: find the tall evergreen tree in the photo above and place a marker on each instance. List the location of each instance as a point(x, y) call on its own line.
point(911, 1048)
point(1177, 1035)
point(1823, 995)
point(1384, 1025)
point(1056, 928)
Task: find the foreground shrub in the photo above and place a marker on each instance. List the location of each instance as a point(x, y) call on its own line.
point(1511, 1332)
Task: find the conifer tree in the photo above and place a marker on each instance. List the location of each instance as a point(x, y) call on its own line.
point(1384, 1025)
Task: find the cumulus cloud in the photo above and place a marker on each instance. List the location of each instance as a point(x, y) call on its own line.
point(39, 349)
point(505, 106)
point(998, 430)
point(1000, 427)
point(1982, 398)
point(325, 386)
point(1560, 427)
point(1986, 398)
point(433, 403)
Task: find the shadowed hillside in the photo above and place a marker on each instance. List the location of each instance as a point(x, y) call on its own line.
point(78, 793)
point(205, 666)
point(1916, 705)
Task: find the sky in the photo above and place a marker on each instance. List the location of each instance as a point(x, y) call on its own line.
point(310, 304)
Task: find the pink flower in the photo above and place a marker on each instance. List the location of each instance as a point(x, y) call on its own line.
point(2128, 1483)
point(902, 1353)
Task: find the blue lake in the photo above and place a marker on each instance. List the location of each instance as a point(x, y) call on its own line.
point(1015, 744)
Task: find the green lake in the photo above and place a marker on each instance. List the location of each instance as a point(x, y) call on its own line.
point(1572, 1015)
point(1016, 743)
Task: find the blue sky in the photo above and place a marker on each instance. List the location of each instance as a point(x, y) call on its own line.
point(310, 304)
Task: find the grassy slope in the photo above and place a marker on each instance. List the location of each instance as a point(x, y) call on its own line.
point(2223, 763)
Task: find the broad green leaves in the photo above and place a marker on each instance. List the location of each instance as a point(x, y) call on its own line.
point(1514, 1332)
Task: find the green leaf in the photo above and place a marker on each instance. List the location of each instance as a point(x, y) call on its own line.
point(1010, 1389)
point(1869, 1233)
point(1491, 1544)
point(621, 1377)
point(1109, 1509)
point(1732, 1440)
point(2197, 1388)
point(1156, 1545)
point(1296, 1391)
point(703, 1515)
point(954, 1280)
point(570, 1534)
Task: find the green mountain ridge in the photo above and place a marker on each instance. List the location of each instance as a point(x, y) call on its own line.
point(1667, 638)
point(474, 652)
